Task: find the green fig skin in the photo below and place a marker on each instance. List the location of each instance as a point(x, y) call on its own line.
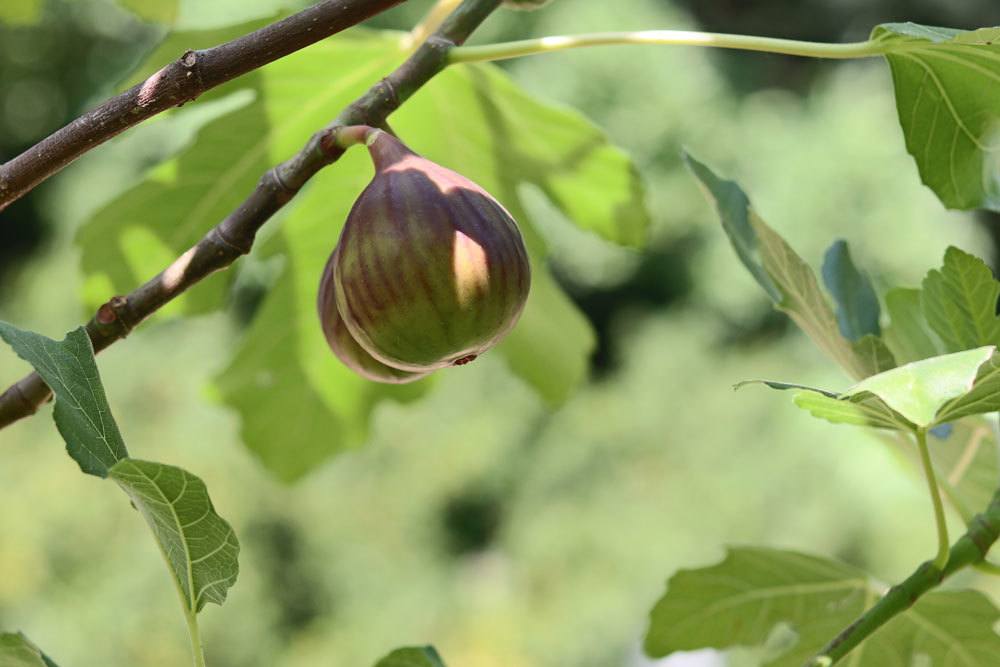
point(343, 344)
point(430, 270)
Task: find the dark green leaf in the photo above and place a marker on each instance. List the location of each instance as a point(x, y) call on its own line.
point(786, 278)
point(948, 102)
point(853, 294)
point(81, 413)
point(418, 656)
point(200, 548)
point(16, 650)
point(960, 300)
point(742, 600)
point(908, 335)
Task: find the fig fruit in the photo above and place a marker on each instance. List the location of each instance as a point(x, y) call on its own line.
point(430, 270)
point(345, 347)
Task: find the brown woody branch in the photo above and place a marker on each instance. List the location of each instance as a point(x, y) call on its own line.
point(181, 81)
point(234, 236)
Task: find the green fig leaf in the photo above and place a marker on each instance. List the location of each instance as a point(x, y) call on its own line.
point(857, 306)
point(82, 414)
point(948, 103)
point(960, 300)
point(786, 278)
point(417, 656)
point(744, 599)
point(920, 389)
point(16, 650)
point(921, 394)
point(200, 548)
point(138, 233)
point(856, 413)
point(909, 335)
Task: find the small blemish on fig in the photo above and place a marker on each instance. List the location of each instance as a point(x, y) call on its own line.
point(464, 360)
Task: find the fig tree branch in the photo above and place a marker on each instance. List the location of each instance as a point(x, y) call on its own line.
point(194, 73)
point(234, 236)
point(970, 549)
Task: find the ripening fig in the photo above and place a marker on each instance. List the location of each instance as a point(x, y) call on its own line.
point(345, 347)
point(430, 270)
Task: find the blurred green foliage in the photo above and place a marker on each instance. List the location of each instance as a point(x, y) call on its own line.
point(477, 519)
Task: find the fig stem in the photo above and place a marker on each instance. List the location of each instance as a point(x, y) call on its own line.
point(941, 559)
point(528, 47)
point(346, 136)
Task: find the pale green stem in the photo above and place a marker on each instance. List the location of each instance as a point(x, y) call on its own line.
point(430, 23)
point(987, 567)
point(942, 527)
point(195, 633)
point(527, 47)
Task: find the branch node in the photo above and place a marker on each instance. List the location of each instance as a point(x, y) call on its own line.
point(115, 314)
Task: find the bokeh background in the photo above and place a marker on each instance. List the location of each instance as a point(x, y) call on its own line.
point(478, 519)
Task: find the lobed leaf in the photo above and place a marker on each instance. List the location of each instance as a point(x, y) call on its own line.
point(81, 413)
point(200, 548)
point(755, 592)
point(960, 300)
point(16, 650)
point(948, 103)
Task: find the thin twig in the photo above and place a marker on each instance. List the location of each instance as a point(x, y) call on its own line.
point(183, 80)
point(234, 236)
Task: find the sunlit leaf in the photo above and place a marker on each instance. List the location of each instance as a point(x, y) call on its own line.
point(920, 389)
point(16, 650)
point(744, 599)
point(81, 412)
point(948, 99)
point(200, 548)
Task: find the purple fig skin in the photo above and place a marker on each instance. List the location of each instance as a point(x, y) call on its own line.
point(430, 270)
point(343, 344)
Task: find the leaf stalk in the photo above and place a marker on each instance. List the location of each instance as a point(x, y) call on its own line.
point(529, 47)
point(941, 559)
